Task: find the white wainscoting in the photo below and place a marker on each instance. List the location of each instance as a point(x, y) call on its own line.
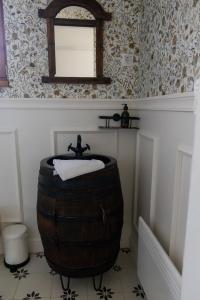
point(171, 128)
point(146, 177)
point(169, 122)
point(180, 205)
point(46, 128)
point(10, 178)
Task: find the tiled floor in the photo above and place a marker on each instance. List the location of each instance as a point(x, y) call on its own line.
point(36, 281)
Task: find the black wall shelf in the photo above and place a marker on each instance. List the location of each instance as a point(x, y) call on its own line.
point(116, 118)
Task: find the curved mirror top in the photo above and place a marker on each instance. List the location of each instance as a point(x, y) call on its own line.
point(75, 12)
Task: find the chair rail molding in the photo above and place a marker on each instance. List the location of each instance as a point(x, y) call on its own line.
point(184, 102)
point(67, 104)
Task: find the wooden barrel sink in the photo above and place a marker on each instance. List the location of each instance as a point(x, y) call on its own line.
point(80, 220)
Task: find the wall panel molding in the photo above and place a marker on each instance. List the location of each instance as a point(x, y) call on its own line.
point(79, 130)
point(184, 155)
point(148, 136)
point(17, 215)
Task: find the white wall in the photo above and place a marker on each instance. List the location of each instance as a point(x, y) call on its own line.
point(164, 153)
point(44, 127)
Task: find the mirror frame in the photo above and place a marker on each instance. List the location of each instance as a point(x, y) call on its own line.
point(100, 16)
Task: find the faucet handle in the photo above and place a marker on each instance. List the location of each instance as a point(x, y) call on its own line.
point(88, 147)
point(69, 147)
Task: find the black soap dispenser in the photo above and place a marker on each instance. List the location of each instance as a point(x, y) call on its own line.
point(125, 117)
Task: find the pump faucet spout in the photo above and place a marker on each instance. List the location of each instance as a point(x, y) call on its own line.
point(79, 141)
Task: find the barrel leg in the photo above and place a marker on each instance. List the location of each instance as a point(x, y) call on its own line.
point(68, 283)
point(100, 283)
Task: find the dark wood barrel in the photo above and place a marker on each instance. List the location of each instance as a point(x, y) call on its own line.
point(80, 220)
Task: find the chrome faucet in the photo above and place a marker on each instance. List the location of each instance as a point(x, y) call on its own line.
point(79, 150)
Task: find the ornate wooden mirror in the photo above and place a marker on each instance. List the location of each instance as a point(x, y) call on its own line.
point(75, 41)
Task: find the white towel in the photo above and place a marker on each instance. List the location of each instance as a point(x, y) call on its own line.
point(68, 169)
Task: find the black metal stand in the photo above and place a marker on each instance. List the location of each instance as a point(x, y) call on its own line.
point(94, 283)
point(68, 283)
point(100, 283)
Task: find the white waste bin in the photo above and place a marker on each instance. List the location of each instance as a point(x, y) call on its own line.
point(15, 246)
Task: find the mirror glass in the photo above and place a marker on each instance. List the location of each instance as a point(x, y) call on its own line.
point(75, 51)
point(75, 47)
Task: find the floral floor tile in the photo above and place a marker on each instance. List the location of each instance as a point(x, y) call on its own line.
point(131, 296)
point(21, 274)
point(139, 291)
point(128, 286)
point(39, 254)
point(8, 286)
point(126, 260)
point(33, 296)
point(36, 283)
point(105, 293)
point(125, 250)
point(38, 264)
point(111, 280)
point(70, 294)
point(116, 268)
point(79, 286)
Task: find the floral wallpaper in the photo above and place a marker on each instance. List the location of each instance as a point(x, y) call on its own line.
point(26, 42)
point(162, 38)
point(169, 46)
